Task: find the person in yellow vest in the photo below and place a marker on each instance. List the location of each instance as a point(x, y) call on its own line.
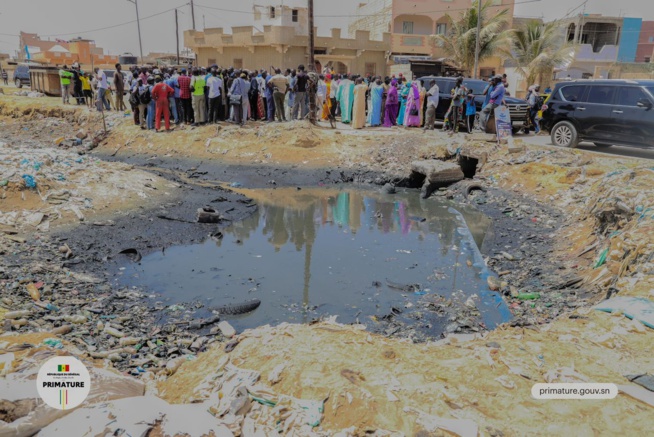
point(197, 86)
point(87, 92)
point(64, 77)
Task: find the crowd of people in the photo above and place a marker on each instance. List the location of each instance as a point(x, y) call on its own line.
point(196, 96)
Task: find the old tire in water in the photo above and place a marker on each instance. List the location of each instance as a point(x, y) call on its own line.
point(240, 308)
point(564, 134)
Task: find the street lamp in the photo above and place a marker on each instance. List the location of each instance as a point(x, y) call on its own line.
point(138, 25)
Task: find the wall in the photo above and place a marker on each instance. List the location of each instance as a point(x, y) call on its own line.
point(435, 9)
point(281, 47)
point(646, 42)
point(421, 25)
point(373, 16)
point(283, 16)
point(629, 39)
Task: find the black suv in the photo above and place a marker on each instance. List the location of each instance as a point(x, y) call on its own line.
point(605, 112)
point(518, 108)
point(22, 75)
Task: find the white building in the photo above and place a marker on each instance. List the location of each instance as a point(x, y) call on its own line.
point(288, 13)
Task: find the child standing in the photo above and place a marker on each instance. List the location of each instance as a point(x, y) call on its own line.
point(471, 111)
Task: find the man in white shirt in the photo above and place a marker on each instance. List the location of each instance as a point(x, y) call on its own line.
point(215, 84)
point(103, 86)
point(432, 104)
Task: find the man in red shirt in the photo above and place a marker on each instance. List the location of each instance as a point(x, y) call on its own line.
point(160, 94)
point(184, 82)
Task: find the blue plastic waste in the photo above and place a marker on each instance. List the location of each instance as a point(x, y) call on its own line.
point(236, 185)
point(29, 181)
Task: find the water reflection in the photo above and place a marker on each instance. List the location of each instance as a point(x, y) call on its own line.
point(310, 252)
point(287, 215)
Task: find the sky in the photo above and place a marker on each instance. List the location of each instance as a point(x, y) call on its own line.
point(111, 23)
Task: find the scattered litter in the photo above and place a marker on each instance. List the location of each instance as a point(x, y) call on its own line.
point(636, 308)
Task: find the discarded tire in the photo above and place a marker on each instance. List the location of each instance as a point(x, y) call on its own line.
point(241, 308)
point(472, 187)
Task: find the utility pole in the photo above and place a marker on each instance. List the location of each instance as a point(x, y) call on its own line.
point(204, 23)
point(477, 42)
point(312, 62)
point(177, 34)
point(193, 14)
point(138, 25)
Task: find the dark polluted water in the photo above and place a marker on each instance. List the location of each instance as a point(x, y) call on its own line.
point(355, 253)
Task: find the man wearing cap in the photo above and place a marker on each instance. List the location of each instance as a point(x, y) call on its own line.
point(496, 99)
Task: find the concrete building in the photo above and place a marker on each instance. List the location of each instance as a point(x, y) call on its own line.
point(602, 41)
point(645, 50)
point(281, 46)
point(411, 22)
point(278, 37)
point(60, 52)
point(285, 13)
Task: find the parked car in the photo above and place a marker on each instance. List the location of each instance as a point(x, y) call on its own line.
point(518, 108)
point(22, 75)
point(605, 112)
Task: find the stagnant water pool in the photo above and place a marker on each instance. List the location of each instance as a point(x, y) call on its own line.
point(314, 252)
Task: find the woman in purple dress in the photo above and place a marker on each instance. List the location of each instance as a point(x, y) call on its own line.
point(392, 105)
point(412, 113)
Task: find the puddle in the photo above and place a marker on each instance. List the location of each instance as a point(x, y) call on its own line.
point(317, 252)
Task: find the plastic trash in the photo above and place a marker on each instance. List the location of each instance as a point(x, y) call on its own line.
point(54, 343)
point(236, 185)
point(77, 318)
point(29, 181)
point(602, 258)
point(34, 292)
point(528, 296)
point(637, 308)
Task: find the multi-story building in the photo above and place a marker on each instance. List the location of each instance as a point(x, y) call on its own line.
point(279, 37)
point(645, 50)
point(412, 22)
point(601, 42)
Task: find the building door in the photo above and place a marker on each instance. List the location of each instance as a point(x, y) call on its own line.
point(340, 68)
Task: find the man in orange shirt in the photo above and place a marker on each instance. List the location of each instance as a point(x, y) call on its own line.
point(160, 94)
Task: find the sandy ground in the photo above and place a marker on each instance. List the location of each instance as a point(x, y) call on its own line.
point(373, 383)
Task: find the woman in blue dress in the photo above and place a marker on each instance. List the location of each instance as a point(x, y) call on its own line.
point(404, 93)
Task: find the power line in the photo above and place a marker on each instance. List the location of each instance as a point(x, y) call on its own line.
point(361, 15)
point(104, 28)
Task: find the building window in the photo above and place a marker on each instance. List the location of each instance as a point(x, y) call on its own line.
point(371, 68)
point(651, 39)
point(648, 59)
point(238, 63)
point(441, 29)
point(272, 12)
point(407, 27)
point(294, 15)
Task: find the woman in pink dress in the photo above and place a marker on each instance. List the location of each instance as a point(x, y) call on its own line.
point(412, 113)
point(392, 105)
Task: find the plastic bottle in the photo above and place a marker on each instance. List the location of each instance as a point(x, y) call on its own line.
point(528, 296)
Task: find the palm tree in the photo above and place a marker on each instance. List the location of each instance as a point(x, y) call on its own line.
point(537, 49)
point(459, 43)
